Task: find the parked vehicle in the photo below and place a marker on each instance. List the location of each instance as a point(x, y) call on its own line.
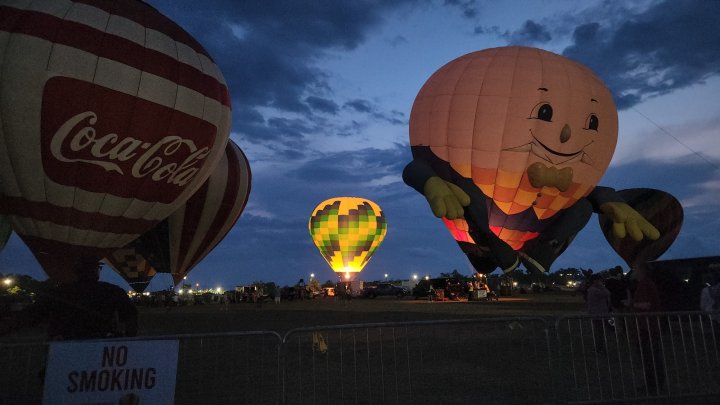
point(384, 290)
point(452, 288)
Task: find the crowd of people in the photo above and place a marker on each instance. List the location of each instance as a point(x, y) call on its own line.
point(638, 296)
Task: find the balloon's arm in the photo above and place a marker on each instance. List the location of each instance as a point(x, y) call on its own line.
point(416, 174)
point(626, 221)
point(445, 199)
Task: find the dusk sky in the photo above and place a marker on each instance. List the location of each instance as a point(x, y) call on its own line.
point(321, 97)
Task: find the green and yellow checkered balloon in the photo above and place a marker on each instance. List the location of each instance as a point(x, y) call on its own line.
point(347, 231)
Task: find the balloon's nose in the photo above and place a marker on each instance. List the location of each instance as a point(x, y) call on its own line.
point(565, 133)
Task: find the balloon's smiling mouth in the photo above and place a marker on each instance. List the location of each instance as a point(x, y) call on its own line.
point(554, 152)
point(539, 149)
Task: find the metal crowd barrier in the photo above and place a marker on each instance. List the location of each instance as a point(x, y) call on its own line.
point(239, 368)
point(623, 358)
point(437, 362)
point(655, 357)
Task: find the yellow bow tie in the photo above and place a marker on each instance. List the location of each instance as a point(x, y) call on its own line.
point(543, 176)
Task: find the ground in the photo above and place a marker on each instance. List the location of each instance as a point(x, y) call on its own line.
point(287, 315)
point(326, 311)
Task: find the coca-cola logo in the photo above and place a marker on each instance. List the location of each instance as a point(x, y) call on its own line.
point(109, 150)
point(105, 141)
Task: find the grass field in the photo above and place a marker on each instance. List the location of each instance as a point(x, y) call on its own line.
point(213, 318)
point(326, 311)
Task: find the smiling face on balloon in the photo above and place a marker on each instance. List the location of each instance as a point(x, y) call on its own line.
point(531, 128)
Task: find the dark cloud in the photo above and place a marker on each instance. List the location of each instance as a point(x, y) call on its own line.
point(671, 45)
point(393, 117)
point(468, 8)
point(268, 50)
point(530, 33)
point(398, 40)
point(358, 105)
point(322, 104)
point(354, 167)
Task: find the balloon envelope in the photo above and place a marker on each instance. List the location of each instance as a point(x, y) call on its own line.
point(112, 116)
point(347, 231)
point(181, 241)
point(5, 231)
point(134, 269)
point(529, 131)
point(662, 210)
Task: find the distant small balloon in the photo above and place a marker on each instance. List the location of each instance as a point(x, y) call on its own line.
point(347, 231)
point(134, 269)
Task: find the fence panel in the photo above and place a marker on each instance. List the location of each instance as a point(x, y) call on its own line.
point(629, 357)
point(22, 371)
point(448, 362)
point(502, 361)
point(238, 368)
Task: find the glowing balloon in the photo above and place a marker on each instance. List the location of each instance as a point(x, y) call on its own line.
point(662, 210)
point(347, 231)
point(112, 116)
point(508, 146)
point(181, 241)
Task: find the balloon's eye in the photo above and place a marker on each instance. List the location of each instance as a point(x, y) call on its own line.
point(543, 112)
point(592, 122)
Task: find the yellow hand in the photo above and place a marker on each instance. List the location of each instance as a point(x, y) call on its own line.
point(627, 221)
point(445, 199)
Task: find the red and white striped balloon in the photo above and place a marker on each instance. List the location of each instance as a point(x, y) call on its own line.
point(111, 117)
point(206, 218)
point(180, 242)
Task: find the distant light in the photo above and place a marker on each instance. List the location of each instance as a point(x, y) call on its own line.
point(414, 276)
point(427, 277)
point(7, 281)
point(312, 275)
point(219, 290)
point(147, 294)
point(181, 291)
point(514, 283)
point(687, 280)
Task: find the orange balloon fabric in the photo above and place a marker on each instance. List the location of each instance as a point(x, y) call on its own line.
point(534, 131)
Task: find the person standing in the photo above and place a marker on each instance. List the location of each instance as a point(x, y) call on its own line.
point(89, 308)
point(645, 299)
point(275, 291)
point(618, 287)
point(710, 302)
point(598, 304)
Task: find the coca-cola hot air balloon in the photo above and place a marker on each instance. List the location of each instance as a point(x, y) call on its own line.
point(179, 242)
point(112, 116)
point(347, 231)
point(508, 146)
